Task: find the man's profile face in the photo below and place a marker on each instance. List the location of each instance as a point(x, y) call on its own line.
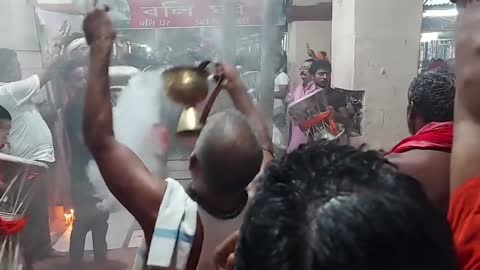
point(5, 126)
point(305, 71)
point(322, 78)
point(197, 188)
point(410, 119)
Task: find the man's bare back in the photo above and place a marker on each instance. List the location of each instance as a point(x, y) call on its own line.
point(431, 168)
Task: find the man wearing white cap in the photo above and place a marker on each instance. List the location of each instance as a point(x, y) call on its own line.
point(78, 48)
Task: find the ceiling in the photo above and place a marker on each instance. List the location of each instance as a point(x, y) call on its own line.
point(436, 2)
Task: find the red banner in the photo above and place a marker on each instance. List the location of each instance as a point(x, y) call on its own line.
point(190, 13)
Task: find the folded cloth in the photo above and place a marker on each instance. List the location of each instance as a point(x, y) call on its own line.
point(433, 136)
point(174, 231)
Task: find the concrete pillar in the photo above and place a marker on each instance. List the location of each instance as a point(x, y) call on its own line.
point(303, 30)
point(375, 48)
point(317, 33)
point(229, 31)
point(269, 61)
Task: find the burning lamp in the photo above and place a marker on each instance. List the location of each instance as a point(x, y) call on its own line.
point(189, 86)
point(69, 217)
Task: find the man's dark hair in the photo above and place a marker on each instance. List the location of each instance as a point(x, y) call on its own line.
point(322, 64)
point(328, 206)
point(431, 95)
point(6, 58)
point(4, 114)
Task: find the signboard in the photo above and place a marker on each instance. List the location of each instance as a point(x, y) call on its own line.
point(191, 13)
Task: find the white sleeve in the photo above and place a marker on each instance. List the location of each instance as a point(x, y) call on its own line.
point(22, 91)
point(282, 79)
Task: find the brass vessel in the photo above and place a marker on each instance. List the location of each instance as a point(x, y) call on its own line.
point(189, 86)
point(186, 85)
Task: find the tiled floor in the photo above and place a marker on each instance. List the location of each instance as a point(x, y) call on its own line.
point(121, 254)
point(118, 259)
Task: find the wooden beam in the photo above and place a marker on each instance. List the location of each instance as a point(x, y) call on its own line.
point(61, 8)
point(318, 12)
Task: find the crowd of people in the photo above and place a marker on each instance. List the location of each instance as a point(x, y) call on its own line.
point(315, 73)
point(323, 205)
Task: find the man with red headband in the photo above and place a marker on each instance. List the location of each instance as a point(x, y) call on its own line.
point(426, 154)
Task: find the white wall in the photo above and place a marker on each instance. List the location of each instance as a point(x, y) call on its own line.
point(381, 40)
point(317, 33)
point(343, 54)
point(17, 25)
point(309, 2)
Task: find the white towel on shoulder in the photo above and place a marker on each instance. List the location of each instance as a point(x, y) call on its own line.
point(174, 231)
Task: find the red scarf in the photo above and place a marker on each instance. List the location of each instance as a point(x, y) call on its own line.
point(433, 136)
point(9, 227)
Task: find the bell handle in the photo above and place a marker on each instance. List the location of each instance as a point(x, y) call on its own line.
point(211, 100)
point(204, 65)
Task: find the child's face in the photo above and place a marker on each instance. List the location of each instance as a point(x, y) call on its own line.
point(5, 126)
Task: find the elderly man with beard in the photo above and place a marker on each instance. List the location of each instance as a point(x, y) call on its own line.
point(179, 232)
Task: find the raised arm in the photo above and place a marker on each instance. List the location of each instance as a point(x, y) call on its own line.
point(22, 91)
point(282, 92)
point(466, 143)
point(46, 75)
point(124, 173)
point(242, 102)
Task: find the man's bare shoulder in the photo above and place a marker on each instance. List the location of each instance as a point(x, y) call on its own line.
point(432, 170)
point(419, 158)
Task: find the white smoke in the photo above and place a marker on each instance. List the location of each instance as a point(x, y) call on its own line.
point(137, 111)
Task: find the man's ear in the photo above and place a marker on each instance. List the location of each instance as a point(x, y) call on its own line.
point(411, 113)
point(193, 165)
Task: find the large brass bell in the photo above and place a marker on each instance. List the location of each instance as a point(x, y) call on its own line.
point(189, 86)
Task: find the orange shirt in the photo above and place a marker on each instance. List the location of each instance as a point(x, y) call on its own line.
point(464, 218)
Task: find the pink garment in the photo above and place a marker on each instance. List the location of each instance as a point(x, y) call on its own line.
point(298, 136)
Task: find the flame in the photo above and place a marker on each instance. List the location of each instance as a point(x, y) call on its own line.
point(69, 217)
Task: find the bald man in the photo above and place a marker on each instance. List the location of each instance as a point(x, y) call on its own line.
point(225, 160)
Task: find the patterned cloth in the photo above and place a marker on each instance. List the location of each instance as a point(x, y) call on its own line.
point(174, 231)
